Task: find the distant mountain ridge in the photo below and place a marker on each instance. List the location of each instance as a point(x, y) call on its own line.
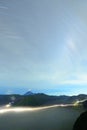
point(39, 99)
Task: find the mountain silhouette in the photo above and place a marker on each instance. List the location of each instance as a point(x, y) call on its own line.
point(29, 93)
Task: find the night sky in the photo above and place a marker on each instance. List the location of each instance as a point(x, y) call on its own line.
point(43, 46)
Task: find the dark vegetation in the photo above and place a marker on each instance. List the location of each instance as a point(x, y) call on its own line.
point(5, 99)
point(43, 99)
point(85, 104)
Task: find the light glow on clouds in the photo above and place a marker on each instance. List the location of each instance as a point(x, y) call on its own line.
point(27, 109)
point(71, 45)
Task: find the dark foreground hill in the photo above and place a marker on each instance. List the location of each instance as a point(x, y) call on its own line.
point(81, 122)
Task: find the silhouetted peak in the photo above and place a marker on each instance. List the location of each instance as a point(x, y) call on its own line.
point(29, 93)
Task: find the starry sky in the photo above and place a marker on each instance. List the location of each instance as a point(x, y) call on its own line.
point(43, 46)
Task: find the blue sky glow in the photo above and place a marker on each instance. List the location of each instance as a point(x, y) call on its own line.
point(43, 46)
